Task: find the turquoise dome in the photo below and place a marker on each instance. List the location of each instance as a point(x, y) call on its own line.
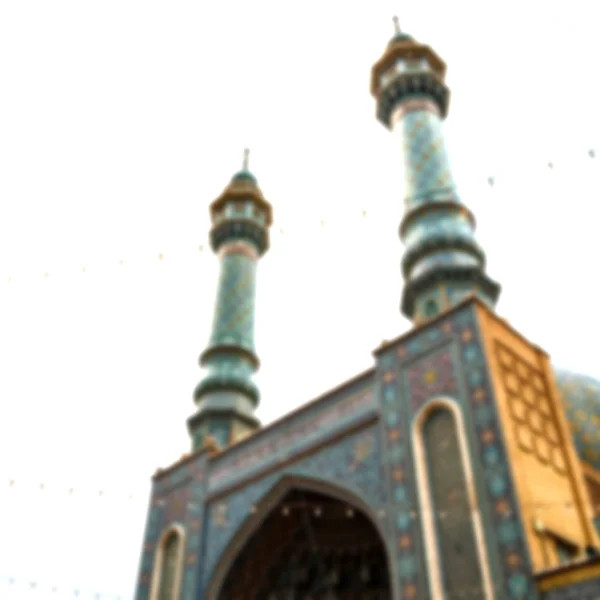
point(581, 399)
point(401, 37)
point(244, 175)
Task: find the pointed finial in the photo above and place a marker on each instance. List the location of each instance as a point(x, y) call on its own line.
point(396, 24)
point(246, 159)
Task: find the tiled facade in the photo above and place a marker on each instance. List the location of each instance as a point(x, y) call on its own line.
point(177, 499)
point(361, 442)
point(448, 360)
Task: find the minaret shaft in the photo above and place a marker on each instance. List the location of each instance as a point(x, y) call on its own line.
point(427, 173)
point(442, 261)
point(233, 322)
point(227, 396)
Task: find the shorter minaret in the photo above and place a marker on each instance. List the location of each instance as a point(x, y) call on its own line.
point(227, 397)
point(442, 262)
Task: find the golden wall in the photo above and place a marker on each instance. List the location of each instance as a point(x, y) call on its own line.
point(555, 504)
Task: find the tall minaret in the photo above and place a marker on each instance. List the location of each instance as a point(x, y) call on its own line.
point(442, 262)
point(227, 397)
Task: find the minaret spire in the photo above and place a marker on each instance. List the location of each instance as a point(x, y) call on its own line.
point(246, 161)
point(396, 21)
point(442, 261)
point(227, 397)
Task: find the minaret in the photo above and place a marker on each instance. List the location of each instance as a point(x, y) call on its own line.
point(442, 262)
point(227, 397)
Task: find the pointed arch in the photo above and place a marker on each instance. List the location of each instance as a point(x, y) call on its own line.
point(435, 407)
point(168, 564)
point(268, 503)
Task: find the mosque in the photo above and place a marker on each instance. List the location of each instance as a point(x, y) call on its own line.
point(462, 465)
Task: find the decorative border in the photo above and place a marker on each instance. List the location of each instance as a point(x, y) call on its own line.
point(177, 499)
point(298, 432)
point(475, 392)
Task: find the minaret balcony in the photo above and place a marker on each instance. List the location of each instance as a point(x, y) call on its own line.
point(217, 381)
point(407, 85)
point(242, 228)
point(443, 242)
point(474, 276)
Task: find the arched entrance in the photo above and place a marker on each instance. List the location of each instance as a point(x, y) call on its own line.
point(311, 546)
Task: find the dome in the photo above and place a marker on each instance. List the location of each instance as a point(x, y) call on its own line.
point(244, 175)
point(581, 399)
point(401, 37)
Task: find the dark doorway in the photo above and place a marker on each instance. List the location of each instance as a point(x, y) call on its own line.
point(311, 547)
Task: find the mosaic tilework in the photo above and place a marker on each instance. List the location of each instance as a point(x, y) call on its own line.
point(234, 309)
point(177, 498)
point(586, 590)
point(354, 463)
point(151, 537)
point(426, 162)
point(581, 398)
point(302, 429)
point(193, 522)
point(432, 376)
point(510, 562)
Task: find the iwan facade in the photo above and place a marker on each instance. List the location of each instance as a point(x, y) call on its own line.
point(462, 465)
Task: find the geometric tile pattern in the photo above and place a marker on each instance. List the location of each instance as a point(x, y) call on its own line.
point(234, 309)
point(177, 498)
point(533, 422)
point(354, 463)
point(456, 337)
point(581, 399)
point(426, 164)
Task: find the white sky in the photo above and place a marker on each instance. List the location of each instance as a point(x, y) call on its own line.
point(120, 121)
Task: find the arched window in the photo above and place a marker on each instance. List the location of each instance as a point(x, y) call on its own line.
point(168, 566)
point(431, 308)
point(452, 527)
